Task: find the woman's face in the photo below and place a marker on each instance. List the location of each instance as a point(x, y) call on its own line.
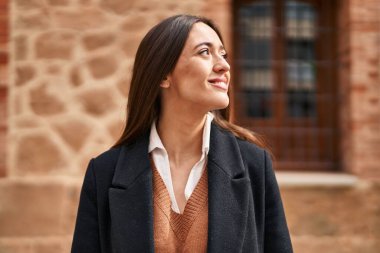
point(201, 76)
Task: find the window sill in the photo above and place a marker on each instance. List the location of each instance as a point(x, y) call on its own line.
point(317, 179)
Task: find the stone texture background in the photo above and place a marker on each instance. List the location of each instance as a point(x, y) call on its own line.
point(65, 69)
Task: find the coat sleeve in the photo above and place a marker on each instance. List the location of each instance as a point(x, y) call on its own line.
point(277, 238)
point(86, 234)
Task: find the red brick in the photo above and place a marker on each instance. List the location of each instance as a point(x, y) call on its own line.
point(3, 129)
point(3, 57)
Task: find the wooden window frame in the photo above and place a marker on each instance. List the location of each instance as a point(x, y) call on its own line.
point(326, 81)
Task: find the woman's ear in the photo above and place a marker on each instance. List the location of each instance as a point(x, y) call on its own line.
point(165, 83)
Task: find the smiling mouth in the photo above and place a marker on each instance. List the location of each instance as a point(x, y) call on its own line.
point(220, 85)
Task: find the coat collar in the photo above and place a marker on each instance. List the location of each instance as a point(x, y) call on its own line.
point(131, 196)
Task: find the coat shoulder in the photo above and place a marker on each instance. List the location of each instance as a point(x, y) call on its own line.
point(106, 161)
point(254, 158)
point(251, 148)
point(109, 155)
point(251, 151)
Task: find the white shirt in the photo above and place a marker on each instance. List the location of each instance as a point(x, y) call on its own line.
point(161, 161)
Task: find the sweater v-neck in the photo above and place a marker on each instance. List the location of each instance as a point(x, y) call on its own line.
point(180, 223)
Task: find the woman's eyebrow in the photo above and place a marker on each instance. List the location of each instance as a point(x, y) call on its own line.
point(209, 44)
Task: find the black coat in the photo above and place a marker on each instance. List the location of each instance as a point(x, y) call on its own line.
point(245, 210)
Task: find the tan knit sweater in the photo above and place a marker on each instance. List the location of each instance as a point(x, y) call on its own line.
point(186, 232)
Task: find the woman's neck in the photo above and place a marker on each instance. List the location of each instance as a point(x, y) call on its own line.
point(181, 135)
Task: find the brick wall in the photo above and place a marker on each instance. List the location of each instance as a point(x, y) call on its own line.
point(3, 82)
point(359, 86)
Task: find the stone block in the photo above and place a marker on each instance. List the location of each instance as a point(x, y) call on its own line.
point(29, 4)
point(97, 102)
point(37, 154)
point(81, 18)
point(31, 208)
point(53, 69)
point(102, 66)
point(130, 44)
point(33, 21)
point(85, 2)
point(58, 2)
point(73, 131)
point(24, 74)
point(95, 41)
point(117, 6)
point(55, 45)
point(135, 23)
point(44, 103)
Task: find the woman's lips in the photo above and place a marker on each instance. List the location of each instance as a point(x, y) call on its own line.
point(220, 83)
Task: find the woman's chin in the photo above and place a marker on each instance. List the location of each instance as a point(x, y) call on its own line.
point(221, 103)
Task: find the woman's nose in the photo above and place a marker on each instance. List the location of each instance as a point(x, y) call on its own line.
point(221, 65)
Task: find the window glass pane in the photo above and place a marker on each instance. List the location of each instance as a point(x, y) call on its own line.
point(300, 59)
point(256, 76)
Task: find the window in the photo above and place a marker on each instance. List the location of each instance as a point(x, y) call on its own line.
point(285, 85)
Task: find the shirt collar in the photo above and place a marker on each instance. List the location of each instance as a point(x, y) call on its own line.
point(155, 140)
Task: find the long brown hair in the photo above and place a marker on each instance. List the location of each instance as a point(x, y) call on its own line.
point(156, 57)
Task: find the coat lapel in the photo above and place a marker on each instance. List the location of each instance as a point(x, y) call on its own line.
point(131, 200)
point(131, 196)
point(228, 187)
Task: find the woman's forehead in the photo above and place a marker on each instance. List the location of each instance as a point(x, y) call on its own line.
point(201, 33)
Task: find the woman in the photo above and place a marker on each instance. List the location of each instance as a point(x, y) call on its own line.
point(181, 178)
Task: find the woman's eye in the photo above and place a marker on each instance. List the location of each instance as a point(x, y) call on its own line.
point(204, 52)
point(225, 55)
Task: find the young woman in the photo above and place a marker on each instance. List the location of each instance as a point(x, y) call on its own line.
point(181, 178)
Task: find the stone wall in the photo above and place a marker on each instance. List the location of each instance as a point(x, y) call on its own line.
point(69, 71)
point(71, 64)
